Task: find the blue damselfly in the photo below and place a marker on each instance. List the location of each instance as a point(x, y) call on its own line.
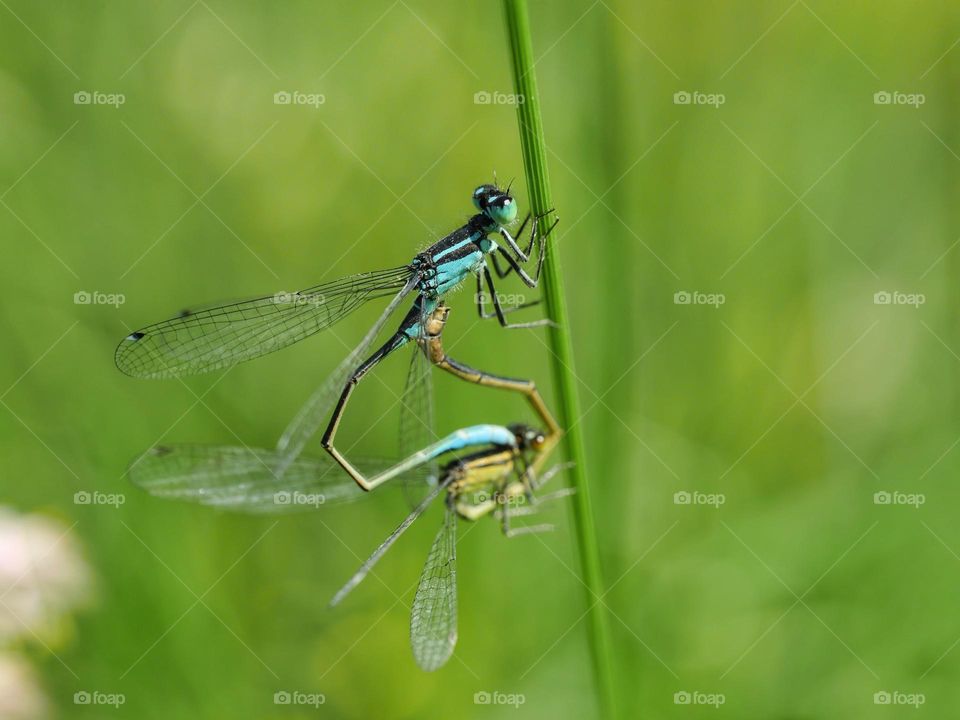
point(499, 480)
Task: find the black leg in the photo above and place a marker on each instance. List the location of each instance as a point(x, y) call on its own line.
point(521, 273)
point(524, 255)
point(498, 309)
point(509, 240)
point(522, 227)
point(533, 231)
point(534, 236)
point(328, 437)
point(482, 302)
point(501, 273)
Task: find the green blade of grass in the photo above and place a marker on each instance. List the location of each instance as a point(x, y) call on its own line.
point(538, 184)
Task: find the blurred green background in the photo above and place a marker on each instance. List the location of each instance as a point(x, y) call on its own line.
point(797, 195)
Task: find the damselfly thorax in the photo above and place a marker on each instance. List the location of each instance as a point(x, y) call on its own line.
point(488, 481)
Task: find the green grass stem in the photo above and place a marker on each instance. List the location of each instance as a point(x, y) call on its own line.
point(538, 184)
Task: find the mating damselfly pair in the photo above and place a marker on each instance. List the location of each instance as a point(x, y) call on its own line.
point(506, 467)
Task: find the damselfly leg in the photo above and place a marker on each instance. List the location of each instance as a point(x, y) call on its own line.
point(331, 431)
point(410, 328)
point(433, 346)
point(485, 281)
point(536, 237)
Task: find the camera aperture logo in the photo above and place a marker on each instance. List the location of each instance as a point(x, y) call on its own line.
point(485, 97)
point(695, 97)
point(114, 500)
point(695, 697)
point(95, 297)
point(95, 97)
point(895, 697)
point(895, 497)
point(297, 697)
point(685, 297)
point(895, 97)
point(95, 697)
point(496, 697)
point(685, 497)
point(295, 97)
point(296, 498)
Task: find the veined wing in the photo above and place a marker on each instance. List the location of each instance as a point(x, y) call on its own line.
point(243, 479)
point(433, 619)
point(368, 564)
point(222, 336)
point(417, 424)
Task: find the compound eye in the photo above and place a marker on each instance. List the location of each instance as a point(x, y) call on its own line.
point(481, 196)
point(503, 209)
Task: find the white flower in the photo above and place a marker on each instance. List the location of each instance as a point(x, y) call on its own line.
point(43, 577)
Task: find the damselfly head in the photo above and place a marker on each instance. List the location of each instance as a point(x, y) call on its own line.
point(495, 203)
point(528, 438)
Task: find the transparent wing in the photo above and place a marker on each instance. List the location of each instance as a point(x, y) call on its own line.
point(433, 620)
point(218, 337)
point(242, 479)
point(319, 406)
point(417, 424)
point(367, 566)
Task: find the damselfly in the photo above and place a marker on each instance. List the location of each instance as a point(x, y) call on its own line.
point(499, 480)
point(219, 337)
point(244, 479)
